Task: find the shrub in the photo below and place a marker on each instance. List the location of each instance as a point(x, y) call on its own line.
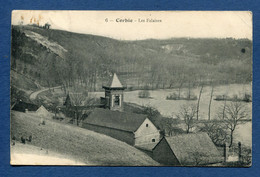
point(235, 97)
point(173, 96)
point(247, 98)
point(30, 138)
point(23, 140)
point(220, 97)
point(193, 97)
point(144, 94)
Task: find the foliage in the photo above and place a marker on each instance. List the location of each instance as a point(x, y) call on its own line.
point(246, 97)
point(144, 94)
point(175, 96)
point(152, 113)
point(90, 59)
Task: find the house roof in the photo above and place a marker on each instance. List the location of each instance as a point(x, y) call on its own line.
point(114, 83)
point(114, 119)
point(42, 109)
point(194, 149)
point(21, 106)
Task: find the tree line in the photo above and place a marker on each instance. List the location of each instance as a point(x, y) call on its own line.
point(89, 61)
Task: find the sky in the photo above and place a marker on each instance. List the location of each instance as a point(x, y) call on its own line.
point(169, 24)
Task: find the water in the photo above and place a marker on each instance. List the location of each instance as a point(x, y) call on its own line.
point(170, 108)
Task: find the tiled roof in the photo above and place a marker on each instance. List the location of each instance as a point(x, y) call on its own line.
point(194, 149)
point(114, 119)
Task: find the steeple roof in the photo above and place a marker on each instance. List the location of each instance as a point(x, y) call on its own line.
point(114, 83)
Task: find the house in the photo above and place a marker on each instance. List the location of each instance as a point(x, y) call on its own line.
point(187, 150)
point(22, 106)
point(111, 120)
point(134, 129)
point(43, 112)
point(30, 108)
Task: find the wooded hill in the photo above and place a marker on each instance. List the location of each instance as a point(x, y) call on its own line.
point(55, 57)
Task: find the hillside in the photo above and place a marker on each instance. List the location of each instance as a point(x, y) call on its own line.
point(55, 57)
point(21, 86)
point(86, 146)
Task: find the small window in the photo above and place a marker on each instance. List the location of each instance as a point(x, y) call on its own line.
point(146, 125)
point(117, 100)
point(153, 140)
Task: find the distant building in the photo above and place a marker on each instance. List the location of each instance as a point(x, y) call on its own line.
point(134, 129)
point(187, 150)
point(47, 26)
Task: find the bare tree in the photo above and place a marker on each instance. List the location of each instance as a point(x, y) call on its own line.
point(187, 113)
point(222, 109)
point(198, 104)
point(210, 101)
point(216, 131)
point(180, 79)
point(234, 114)
point(55, 106)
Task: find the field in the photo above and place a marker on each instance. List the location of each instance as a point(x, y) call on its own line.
point(75, 143)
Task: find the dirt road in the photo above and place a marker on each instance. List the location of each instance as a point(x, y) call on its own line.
point(34, 95)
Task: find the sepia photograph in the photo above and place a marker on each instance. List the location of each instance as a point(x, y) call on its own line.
point(131, 88)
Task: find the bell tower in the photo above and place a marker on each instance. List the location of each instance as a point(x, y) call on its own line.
point(114, 94)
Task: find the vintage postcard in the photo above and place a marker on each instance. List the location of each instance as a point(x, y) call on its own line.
point(131, 88)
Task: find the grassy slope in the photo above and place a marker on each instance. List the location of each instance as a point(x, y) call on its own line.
point(25, 154)
point(81, 144)
point(21, 86)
